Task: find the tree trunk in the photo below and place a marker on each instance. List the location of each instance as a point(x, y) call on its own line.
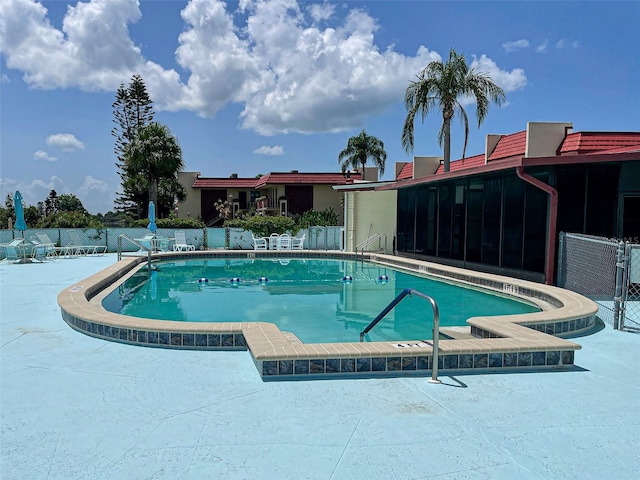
point(153, 192)
point(447, 145)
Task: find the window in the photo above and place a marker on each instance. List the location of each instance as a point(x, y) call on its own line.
point(459, 223)
point(513, 227)
point(474, 221)
point(491, 218)
point(446, 197)
point(422, 226)
point(406, 220)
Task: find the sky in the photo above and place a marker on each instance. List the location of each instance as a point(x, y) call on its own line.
point(253, 87)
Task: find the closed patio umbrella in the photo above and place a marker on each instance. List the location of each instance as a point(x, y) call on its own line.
point(19, 224)
point(152, 218)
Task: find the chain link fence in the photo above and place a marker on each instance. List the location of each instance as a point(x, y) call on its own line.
point(316, 238)
point(631, 300)
point(605, 271)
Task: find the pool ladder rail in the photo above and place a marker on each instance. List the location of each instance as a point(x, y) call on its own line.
point(363, 246)
point(436, 325)
point(143, 248)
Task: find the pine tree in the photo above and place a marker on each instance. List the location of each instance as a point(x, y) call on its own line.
point(132, 109)
point(51, 204)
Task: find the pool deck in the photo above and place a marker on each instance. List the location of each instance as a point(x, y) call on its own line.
point(507, 342)
point(77, 407)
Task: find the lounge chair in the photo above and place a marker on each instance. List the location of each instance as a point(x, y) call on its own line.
point(84, 249)
point(181, 244)
point(44, 240)
point(11, 251)
point(284, 242)
point(40, 253)
point(146, 241)
point(297, 243)
point(259, 243)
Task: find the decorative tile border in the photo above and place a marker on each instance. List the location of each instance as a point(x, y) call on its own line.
point(526, 341)
point(155, 338)
point(421, 365)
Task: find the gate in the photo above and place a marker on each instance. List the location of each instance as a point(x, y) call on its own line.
point(630, 291)
point(606, 271)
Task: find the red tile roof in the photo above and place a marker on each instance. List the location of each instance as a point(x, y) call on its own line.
point(225, 183)
point(588, 148)
point(463, 164)
point(406, 172)
point(289, 178)
point(587, 142)
point(276, 178)
point(627, 149)
point(512, 145)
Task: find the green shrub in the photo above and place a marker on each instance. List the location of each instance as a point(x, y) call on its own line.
point(170, 223)
point(314, 218)
point(70, 220)
point(263, 226)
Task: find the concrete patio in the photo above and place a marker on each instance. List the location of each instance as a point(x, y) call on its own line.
point(74, 407)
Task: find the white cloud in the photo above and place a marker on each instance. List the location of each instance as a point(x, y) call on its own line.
point(93, 50)
point(42, 155)
point(66, 141)
point(288, 73)
point(562, 43)
point(33, 192)
point(321, 11)
point(96, 196)
point(513, 46)
point(542, 47)
point(509, 81)
point(264, 150)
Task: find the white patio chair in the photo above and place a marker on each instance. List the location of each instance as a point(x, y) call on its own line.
point(181, 244)
point(284, 242)
point(259, 243)
point(273, 241)
point(297, 243)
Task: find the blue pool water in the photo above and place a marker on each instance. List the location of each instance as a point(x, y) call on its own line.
point(320, 300)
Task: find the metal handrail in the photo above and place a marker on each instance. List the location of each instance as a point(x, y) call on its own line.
point(137, 244)
point(365, 243)
point(436, 325)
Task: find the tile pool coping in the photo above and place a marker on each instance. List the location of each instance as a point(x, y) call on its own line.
point(500, 343)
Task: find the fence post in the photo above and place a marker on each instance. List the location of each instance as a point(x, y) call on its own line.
point(617, 299)
point(561, 261)
point(626, 283)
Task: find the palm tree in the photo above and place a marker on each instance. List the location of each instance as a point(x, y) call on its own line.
point(361, 148)
point(153, 157)
point(438, 87)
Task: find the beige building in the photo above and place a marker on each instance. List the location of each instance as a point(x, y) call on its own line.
point(282, 193)
point(367, 214)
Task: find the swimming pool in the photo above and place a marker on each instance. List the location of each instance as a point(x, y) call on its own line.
point(318, 300)
point(504, 342)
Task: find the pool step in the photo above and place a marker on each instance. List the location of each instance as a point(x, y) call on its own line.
point(292, 337)
point(456, 333)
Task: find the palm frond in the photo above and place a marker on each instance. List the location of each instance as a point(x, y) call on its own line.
point(438, 87)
